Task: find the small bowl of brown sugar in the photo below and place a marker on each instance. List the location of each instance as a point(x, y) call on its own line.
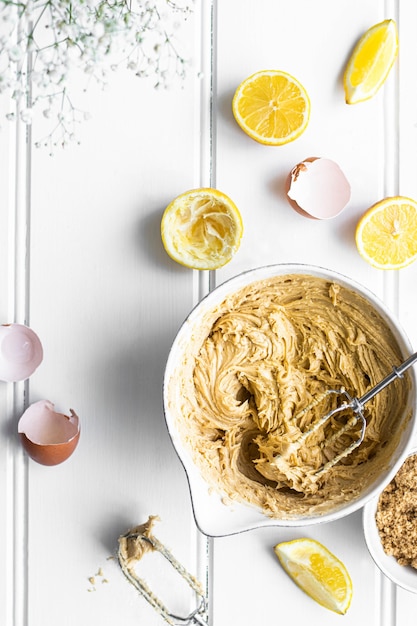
point(390, 526)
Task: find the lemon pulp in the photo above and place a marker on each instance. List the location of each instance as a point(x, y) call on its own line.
point(202, 229)
point(386, 235)
point(272, 107)
point(371, 62)
point(317, 571)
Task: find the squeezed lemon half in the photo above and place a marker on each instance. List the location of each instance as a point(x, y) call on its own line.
point(317, 571)
point(202, 229)
point(386, 235)
point(272, 107)
point(371, 62)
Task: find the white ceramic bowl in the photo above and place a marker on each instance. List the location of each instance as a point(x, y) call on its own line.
point(404, 576)
point(213, 517)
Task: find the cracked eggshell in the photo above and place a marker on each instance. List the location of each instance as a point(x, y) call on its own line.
point(47, 436)
point(318, 188)
point(21, 352)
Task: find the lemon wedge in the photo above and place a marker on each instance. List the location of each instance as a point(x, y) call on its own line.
point(371, 62)
point(202, 229)
point(386, 235)
point(272, 107)
point(317, 572)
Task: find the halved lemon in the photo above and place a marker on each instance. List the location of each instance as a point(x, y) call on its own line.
point(317, 572)
point(371, 61)
point(272, 107)
point(202, 229)
point(386, 235)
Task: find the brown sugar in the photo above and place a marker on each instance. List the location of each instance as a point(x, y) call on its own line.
point(396, 515)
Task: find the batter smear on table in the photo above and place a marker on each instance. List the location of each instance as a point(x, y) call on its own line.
point(260, 358)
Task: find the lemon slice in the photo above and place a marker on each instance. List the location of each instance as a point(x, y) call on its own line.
point(370, 62)
point(317, 572)
point(202, 229)
point(272, 107)
point(386, 235)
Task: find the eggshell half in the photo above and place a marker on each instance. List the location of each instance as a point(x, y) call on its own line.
point(20, 352)
point(48, 437)
point(318, 188)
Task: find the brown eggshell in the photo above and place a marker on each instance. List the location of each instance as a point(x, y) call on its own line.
point(48, 437)
point(319, 192)
point(288, 181)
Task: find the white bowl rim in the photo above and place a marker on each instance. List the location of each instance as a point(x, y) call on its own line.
point(250, 517)
point(403, 576)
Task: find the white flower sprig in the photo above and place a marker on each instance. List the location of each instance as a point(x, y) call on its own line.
point(48, 46)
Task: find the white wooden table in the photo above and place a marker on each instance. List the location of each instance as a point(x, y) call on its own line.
point(82, 262)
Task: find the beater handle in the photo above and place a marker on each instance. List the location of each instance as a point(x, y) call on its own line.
point(397, 372)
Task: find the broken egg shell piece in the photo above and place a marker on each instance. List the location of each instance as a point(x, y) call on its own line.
point(318, 188)
point(48, 437)
point(21, 352)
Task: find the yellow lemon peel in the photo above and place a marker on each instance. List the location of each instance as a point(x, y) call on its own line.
point(370, 62)
point(386, 235)
point(202, 229)
point(271, 107)
point(317, 571)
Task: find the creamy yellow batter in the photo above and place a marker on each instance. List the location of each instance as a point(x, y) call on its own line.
point(257, 361)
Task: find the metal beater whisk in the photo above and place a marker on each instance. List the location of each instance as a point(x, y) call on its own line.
point(355, 408)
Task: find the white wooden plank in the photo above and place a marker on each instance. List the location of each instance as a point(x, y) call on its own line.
point(261, 591)
point(254, 175)
point(106, 301)
point(406, 607)
point(6, 520)
point(361, 139)
point(14, 395)
point(408, 149)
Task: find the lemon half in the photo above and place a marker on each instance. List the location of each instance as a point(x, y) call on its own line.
point(386, 235)
point(202, 229)
point(317, 572)
point(272, 107)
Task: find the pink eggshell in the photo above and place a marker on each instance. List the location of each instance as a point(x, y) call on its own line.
point(317, 188)
point(21, 352)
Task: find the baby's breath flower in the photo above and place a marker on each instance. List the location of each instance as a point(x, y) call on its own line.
point(16, 54)
point(26, 115)
point(45, 43)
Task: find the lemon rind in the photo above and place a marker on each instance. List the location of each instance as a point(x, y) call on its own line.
point(379, 206)
point(182, 257)
point(332, 604)
point(270, 141)
point(355, 95)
